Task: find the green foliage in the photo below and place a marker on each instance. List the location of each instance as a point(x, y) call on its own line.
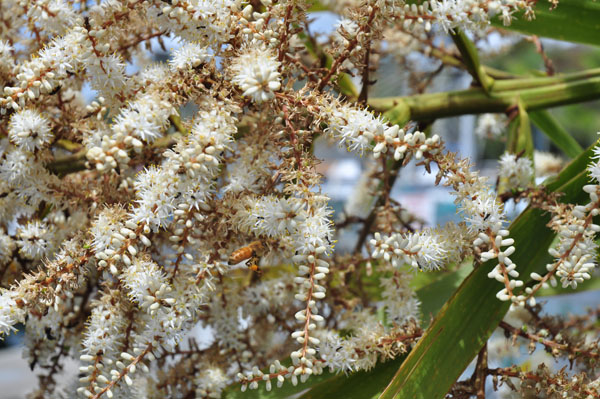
point(573, 20)
point(555, 132)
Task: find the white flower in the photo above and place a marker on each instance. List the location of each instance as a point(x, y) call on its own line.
point(266, 296)
point(546, 163)
point(104, 330)
point(401, 302)
point(146, 283)
point(207, 21)
point(276, 217)
point(29, 130)
point(145, 118)
point(480, 206)
point(575, 256)
point(345, 28)
point(358, 128)
point(189, 55)
point(154, 73)
point(33, 240)
point(355, 127)
point(210, 382)
point(256, 73)
point(491, 125)
point(594, 167)
point(155, 202)
point(314, 231)
point(241, 177)
point(18, 167)
point(10, 313)
point(108, 75)
point(57, 15)
point(6, 58)
point(7, 246)
point(426, 250)
point(515, 173)
point(108, 222)
point(336, 353)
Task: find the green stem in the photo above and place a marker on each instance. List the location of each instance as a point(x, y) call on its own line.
point(176, 122)
point(476, 101)
point(68, 145)
point(76, 162)
point(525, 83)
point(470, 59)
point(68, 164)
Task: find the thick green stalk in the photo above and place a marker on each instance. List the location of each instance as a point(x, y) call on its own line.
point(68, 164)
point(454, 61)
point(76, 162)
point(525, 83)
point(476, 101)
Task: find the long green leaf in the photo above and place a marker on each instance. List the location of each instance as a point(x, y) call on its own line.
point(361, 385)
point(470, 316)
point(571, 20)
point(555, 132)
point(434, 295)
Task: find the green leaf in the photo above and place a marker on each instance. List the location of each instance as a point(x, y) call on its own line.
point(571, 171)
point(571, 20)
point(360, 385)
point(470, 316)
point(286, 390)
point(434, 295)
point(316, 6)
point(555, 132)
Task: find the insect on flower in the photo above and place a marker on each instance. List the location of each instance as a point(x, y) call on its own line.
point(248, 252)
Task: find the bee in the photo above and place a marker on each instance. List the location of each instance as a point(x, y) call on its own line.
point(250, 253)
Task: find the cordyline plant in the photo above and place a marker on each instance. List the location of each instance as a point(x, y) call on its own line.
point(124, 225)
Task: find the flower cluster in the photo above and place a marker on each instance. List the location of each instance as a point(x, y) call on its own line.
point(187, 194)
point(426, 250)
point(256, 74)
point(515, 172)
point(29, 130)
point(491, 125)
